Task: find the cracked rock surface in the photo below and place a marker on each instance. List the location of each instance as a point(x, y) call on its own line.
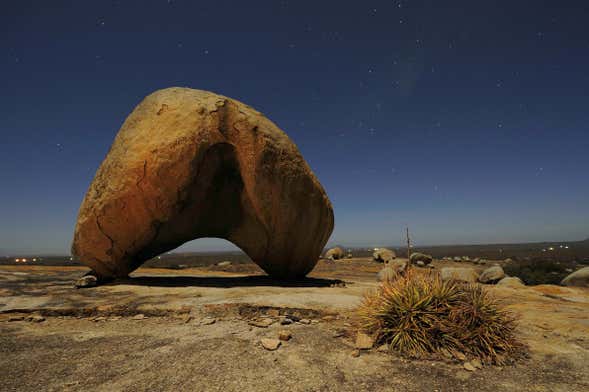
point(189, 164)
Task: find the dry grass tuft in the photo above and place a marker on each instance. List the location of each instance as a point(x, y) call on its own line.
point(417, 315)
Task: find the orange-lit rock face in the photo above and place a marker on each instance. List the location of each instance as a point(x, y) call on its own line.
point(188, 164)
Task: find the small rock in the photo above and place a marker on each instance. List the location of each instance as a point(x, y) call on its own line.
point(16, 318)
point(476, 363)
point(261, 323)
point(383, 348)
point(139, 316)
point(328, 318)
point(270, 344)
point(338, 334)
point(364, 341)
point(224, 263)
point(285, 336)
point(305, 321)
point(208, 321)
point(459, 356)
point(355, 353)
point(468, 366)
point(100, 318)
point(36, 318)
point(273, 312)
point(286, 321)
point(86, 281)
point(186, 318)
point(293, 317)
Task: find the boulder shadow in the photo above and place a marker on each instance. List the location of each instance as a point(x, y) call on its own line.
point(224, 281)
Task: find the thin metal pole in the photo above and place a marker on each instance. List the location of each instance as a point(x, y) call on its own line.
point(408, 245)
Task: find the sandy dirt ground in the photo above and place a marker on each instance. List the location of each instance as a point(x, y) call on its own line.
point(199, 330)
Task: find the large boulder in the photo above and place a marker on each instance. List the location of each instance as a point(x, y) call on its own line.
point(578, 278)
point(335, 253)
point(465, 275)
point(383, 255)
point(188, 164)
point(492, 274)
point(415, 257)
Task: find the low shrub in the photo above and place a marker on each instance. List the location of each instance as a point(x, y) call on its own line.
point(539, 270)
point(417, 314)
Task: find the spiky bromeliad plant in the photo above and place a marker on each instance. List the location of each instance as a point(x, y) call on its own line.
point(418, 314)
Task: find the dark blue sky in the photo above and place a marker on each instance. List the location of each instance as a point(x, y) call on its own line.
point(468, 120)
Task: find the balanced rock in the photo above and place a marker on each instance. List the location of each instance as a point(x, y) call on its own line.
point(383, 255)
point(335, 253)
point(492, 274)
point(415, 257)
point(188, 164)
point(466, 275)
point(578, 278)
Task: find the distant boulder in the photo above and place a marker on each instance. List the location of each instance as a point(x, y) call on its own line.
point(458, 259)
point(465, 258)
point(392, 270)
point(459, 274)
point(383, 255)
point(415, 257)
point(511, 281)
point(492, 275)
point(579, 278)
point(335, 253)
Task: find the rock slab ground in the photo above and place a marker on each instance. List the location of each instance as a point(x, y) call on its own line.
point(90, 340)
